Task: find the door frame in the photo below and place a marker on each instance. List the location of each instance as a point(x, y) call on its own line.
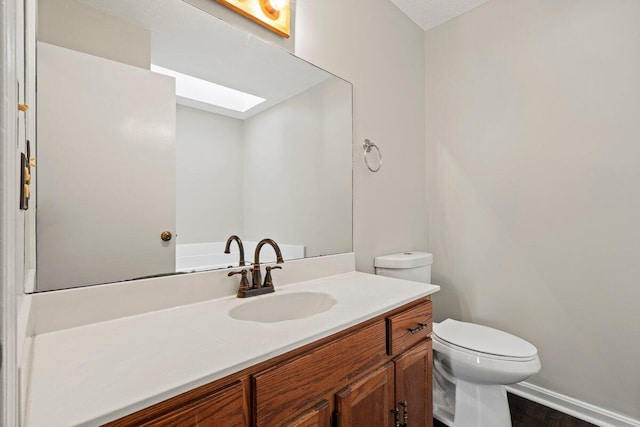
point(9, 230)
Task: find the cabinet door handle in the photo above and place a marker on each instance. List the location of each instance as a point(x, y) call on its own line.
point(405, 416)
point(396, 417)
point(418, 328)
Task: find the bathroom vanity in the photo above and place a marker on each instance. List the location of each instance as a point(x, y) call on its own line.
point(355, 362)
point(359, 375)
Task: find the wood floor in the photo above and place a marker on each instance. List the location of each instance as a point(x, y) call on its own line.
point(525, 413)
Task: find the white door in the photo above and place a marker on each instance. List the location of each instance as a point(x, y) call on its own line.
point(106, 170)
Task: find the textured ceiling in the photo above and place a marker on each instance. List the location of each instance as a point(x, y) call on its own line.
point(431, 13)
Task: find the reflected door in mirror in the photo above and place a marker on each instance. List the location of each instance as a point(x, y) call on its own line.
point(107, 170)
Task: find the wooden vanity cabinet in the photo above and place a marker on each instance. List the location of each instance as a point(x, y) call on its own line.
point(354, 378)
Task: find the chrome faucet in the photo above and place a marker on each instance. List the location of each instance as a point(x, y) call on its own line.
point(256, 287)
point(256, 275)
point(240, 247)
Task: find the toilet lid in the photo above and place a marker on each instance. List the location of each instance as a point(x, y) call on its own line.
point(483, 339)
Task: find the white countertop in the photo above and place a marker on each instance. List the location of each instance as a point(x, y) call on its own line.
point(96, 373)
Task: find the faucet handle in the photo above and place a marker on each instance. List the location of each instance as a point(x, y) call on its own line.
point(232, 273)
point(268, 281)
point(244, 282)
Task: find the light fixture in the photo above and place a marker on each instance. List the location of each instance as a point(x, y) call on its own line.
point(271, 8)
point(272, 14)
point(277, 4)
point(210, 93)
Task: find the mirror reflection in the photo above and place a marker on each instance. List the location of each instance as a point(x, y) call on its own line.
point(163, 130)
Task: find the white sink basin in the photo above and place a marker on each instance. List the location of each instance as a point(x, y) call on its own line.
point(279, 307)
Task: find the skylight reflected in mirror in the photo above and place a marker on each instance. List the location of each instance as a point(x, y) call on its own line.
point(196, 89)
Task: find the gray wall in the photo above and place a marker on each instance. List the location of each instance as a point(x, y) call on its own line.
point(70, 24)
point(532, 174)
point(235, 177)
point(298, 170)
point(375, 46)
point(210, 174)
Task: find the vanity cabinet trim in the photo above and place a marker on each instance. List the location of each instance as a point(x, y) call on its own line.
point(224, 407)
point(318, 416)
point(211, 395)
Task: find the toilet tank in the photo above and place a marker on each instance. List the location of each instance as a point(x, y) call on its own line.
point(415, 266)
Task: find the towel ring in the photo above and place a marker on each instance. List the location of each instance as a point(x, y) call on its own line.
point(368, 145)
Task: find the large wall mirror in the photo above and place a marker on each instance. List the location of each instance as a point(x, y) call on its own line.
point(155, 116)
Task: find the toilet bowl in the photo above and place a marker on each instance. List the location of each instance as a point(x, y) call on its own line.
point(471, 363)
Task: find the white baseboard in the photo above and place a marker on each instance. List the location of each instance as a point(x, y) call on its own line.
point(574, 407)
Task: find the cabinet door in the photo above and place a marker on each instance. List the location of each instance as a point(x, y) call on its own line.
point(318, 416)
point(224, 408)
point(413, 384)
point(290, 388)
point(369, 401)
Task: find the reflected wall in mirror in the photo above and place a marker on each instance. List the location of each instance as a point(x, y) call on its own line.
point(134, 138)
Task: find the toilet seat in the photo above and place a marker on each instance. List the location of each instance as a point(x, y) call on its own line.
point(483, 341)
point(442, 344)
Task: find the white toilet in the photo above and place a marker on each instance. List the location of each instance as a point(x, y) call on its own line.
point(471, 363)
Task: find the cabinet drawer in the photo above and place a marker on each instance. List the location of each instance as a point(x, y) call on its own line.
point(408, 328)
